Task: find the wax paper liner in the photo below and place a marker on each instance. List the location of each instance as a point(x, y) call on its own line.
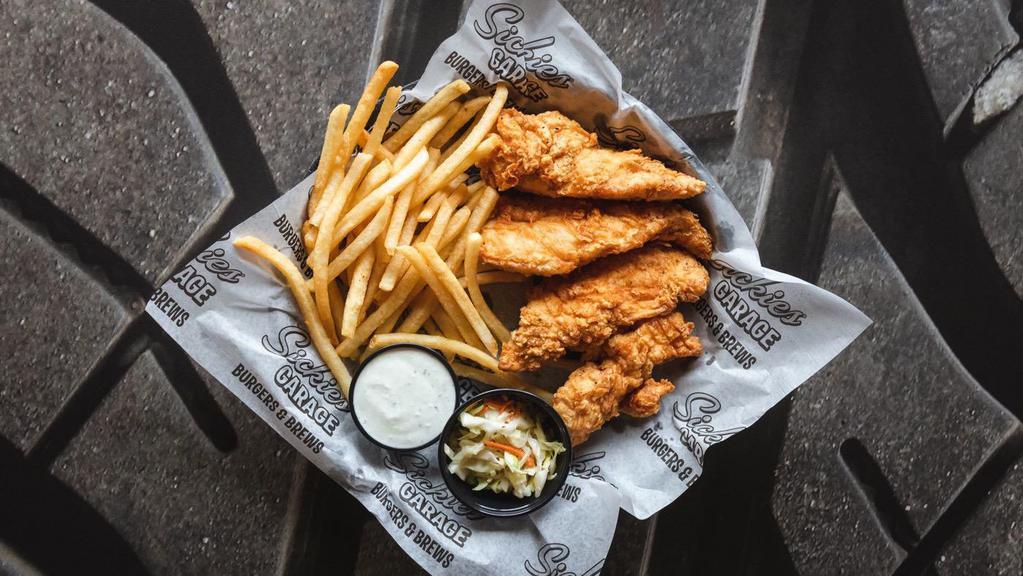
point(764, 332)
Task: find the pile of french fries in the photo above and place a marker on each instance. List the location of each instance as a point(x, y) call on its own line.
point(392, 233)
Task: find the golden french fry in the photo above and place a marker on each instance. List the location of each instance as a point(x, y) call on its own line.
point(472, 255)
point(361, 243)
point(331, 145)
point(477, 186)
point(455, 226)
point(434, 105)
point(320, 256)
point(305, 304)
point(441, 316)
point(500, 379)
point(376, 176)
point(370, 94)
point(397, 266)
point(449, 304)
point(432, 234)
point(449, 282)
point(369, 205)
point(480, 214)
point(337, 300)
point(424, 306)
point(463, 163)
point(308, 236)
point(431, 328)
point(430, 208)
point(465, 113)
point(383, 119)
point(456, 162)
point(379, 264)
point(499, 277)
point(444, 322)
point(339, 192)
point(383, 74)
point(401, 207)
point(357, 292)
point(423, 135)
point(443, 344)
point(397, 222)
point(395, 300)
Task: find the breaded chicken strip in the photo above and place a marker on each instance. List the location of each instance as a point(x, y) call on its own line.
point(645, 401)
point(552, 155)
point(550, 236)
point(595, 393)
point(583, 309)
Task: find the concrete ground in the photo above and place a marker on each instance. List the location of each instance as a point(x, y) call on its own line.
point(874, 147)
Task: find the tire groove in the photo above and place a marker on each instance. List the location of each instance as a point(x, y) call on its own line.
point(175, 33)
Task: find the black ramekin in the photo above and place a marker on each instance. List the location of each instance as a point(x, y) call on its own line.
point(507, 505)
point(355, 380)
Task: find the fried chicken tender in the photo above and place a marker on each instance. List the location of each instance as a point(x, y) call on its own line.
point(645, 401)
point(550, 236)
point(595, 393)
point(551, 155)
point(585, 308)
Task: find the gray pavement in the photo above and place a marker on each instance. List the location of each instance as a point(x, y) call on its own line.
point(130, 132)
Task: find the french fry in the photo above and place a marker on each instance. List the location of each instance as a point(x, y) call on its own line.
point(305, 304)
point(500, 379)
point(361, 242)
point(370, 94)
point(388, 325)
point(454, 189)
point(434, 105)
point(431, 328)
point(432, 234)
point(456, 162)
point(380, 153)
point(447, 302)
point(331, 145)
point(465, 113)
point(450, 283)
point(401, 207)
point(383, 74)
point(444, 322)
point(357, 292)
point(397, 266)
point(379, 264)
point(396, 300)
point(440, 315)
point(472, 255)
point(308, 236)
point(462, 164)
point(383, 119)
point(443, 344)
point(320, 256)
point(368, 205)
point(499, 277)
point(423, 135)
point(339, 190)
point(376, 176)
point(455, 226)
point(430, 208)
point(337, 301)
point(422, 307)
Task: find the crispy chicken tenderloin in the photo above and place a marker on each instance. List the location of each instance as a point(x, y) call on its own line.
point(551, 155)
point(585, 308)
point(539, 236)
point(595, 393)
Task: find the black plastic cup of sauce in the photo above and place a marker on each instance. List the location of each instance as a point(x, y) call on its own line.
point(507, 505)
point(402, 395)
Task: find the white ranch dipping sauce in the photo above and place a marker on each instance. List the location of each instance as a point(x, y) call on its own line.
point(404, 397)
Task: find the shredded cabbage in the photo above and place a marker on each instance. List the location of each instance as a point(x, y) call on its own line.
point(501, 447)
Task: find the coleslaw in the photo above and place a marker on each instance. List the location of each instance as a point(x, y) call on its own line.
point(502, 447)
